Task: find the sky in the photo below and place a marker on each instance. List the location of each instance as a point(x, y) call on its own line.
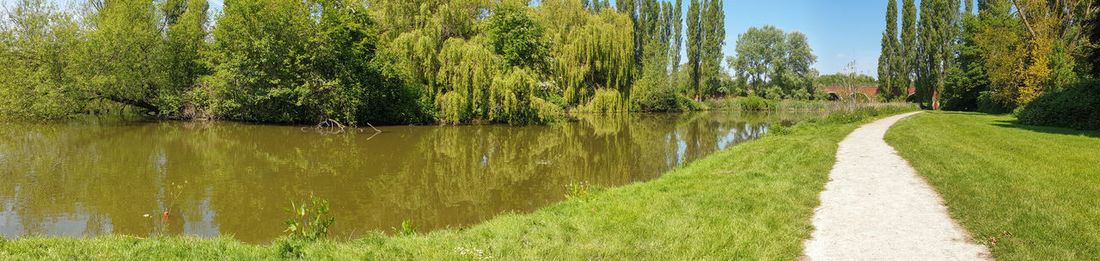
point(839, 31)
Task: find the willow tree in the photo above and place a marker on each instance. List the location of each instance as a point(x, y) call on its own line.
point(592, 51)
point(35, 50)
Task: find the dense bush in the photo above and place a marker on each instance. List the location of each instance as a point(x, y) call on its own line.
point(1075, 107)
point(604, 101)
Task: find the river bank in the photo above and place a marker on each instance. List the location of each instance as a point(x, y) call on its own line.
point(749, 201)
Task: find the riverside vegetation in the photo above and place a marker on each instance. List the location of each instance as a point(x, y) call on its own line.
point(385, 62)
point(310, 61)
point(1038, 59)
point(751, 201)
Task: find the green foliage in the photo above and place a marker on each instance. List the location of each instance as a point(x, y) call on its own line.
point(517, 36)
point(863, 113)
point(840, 79)
point(310, 61)
point(309, 220)
point(578, 191)
point(1075, 107)
point(514, 101)
point(605, 101)
point(890, 60)
point(749, 103)
point(769, 57)
point(406, 228)
point(706, 36)
point(274, 62)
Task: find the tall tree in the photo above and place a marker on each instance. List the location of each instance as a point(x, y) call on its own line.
point(714, 37)
point(908, 45)
point(889, 58)
point(694, 40)
point(677, 19)
point(939, 30)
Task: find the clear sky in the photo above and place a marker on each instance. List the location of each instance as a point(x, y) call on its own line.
point(840, 31)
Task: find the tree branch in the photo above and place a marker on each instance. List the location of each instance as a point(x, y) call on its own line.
point(1023, 15)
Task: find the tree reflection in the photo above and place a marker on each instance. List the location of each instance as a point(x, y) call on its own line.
point(95, 177)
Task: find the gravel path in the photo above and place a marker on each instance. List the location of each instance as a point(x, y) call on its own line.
point(875, 207)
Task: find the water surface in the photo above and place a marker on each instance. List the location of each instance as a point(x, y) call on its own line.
point(92, 177)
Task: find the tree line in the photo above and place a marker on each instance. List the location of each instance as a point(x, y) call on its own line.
point(990, 55)
point(357, 61)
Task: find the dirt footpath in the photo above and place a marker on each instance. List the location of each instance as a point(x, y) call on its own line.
point(876, 207)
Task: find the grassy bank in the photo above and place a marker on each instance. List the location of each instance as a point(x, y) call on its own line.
point(1029, 193)
point(753, 103)
point(753, 201)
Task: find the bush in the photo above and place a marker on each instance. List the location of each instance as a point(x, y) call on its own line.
point(773, 93)
point(605, 100)
point(986, 104)
point(310, 220)
point(1075, 107)
point(755, 103)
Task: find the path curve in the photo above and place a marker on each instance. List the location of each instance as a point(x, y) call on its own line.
point(875, 207)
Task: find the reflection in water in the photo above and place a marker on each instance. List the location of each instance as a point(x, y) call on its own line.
point(218, 178)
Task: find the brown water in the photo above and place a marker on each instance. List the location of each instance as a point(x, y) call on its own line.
point(92, 177)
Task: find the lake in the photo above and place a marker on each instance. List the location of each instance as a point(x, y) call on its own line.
point(93, 176)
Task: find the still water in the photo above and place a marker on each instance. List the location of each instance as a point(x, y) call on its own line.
point(95, 176)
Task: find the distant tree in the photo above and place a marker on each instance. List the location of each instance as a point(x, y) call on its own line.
point(938, 34)
point(907, 50)
point(768, 57)
point(889, 59)
point(695, 45)
point(714, 37)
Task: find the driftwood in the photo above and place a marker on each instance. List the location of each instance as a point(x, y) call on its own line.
point(332, 126)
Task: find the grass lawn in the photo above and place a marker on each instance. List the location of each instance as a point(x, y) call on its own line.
point(1029, 193)
point(752, 201)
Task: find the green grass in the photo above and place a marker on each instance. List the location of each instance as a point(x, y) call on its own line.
point(1029, 193)
point(753, 201)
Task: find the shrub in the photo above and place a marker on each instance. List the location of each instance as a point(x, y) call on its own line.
point(514, 101)
point(987, 104)
point(773, 93)
point(605, 100)
point(755, 103)
point(310, 219)
point(1075, 107)
point(406, 229)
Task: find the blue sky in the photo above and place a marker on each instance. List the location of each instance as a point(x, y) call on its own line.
point(839, 31)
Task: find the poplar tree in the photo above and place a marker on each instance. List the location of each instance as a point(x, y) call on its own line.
point(908, 46)
point(694, 40)
point(714, 37)
point(677, 36)
point(889, 58)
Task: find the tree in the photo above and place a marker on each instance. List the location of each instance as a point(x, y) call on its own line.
point(889, 58)
point(908, 46)
point(768, 57)
point(713, 38)
point(935, 54)
point(695, 45)
point(36, 44)
point(677, 21)
point(517, 36)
